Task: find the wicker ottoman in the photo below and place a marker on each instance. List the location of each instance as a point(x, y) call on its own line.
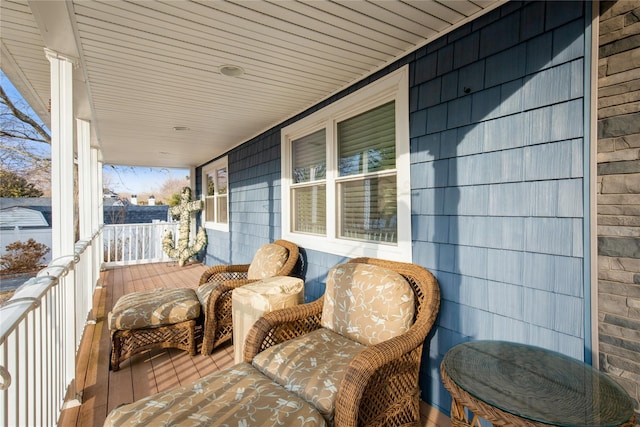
point(237, 396)
point(160, 318)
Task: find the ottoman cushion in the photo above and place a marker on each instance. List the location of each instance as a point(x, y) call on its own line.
point(237, 396)
point(150, 309)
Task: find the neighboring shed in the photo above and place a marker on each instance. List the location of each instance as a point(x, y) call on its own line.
point(23, 211)
point(22, 217)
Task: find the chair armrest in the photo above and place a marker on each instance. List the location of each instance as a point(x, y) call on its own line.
point(224, 272)
point(282, 325)
point(377, 362)
point(369, 372)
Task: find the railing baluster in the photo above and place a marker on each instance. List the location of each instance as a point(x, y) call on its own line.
point(12, 366)
point(5, 379)
point(145, 237)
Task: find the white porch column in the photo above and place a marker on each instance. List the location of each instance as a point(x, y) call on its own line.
point(99, 214)
point(99, 193)
point(96, 189)
point(62, 186)
point(86, 284)
point(96, 209)
point(62, 211)
point(194, 215)
point(85, 199)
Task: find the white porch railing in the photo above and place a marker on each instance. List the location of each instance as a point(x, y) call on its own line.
point(42, 324)
point(40, 331)
point(126, 244)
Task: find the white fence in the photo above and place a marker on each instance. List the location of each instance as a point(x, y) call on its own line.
point(40, 331)
point(126, 244)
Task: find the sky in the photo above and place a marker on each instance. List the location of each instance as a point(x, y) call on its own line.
point(138, 180)
point(134, 180)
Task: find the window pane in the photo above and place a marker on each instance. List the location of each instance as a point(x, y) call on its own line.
point(209, 206)
point(309, 209)
point(367, 142)
point(309, 159)
point(369, 209)
point(211, 184)
point(222, 180)
point(222, 209)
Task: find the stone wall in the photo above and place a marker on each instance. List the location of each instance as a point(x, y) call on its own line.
point(619, 193)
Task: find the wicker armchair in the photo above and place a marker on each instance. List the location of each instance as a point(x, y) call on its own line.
point(380, 386)
point(279, 258)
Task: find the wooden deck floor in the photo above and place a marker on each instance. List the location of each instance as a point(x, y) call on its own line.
point(152, 371)
point(146, 373)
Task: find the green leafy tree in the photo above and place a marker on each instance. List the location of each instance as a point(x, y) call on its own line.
point(14, 185)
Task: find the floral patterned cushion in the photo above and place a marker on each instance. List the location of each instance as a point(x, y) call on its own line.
point(269, 259)
point(149, 309)
point(311, 366)
point(367, 303)
point(237, 396)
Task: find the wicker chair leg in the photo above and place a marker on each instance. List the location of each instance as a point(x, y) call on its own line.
point(114, 362)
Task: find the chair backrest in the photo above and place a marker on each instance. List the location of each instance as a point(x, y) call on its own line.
point(425, 289)
point(367, 303)
point(274, 259)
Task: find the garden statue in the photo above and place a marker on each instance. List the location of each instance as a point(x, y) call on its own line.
point(183, 212)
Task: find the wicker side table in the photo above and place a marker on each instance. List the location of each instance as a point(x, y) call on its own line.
point(519, 385)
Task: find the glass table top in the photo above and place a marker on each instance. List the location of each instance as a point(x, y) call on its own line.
point(537, 384)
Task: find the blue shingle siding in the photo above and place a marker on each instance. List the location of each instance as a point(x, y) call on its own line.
point(465, 50)
point(510, 194)
point(506, 66)
point(532, 20)
point(496, 128)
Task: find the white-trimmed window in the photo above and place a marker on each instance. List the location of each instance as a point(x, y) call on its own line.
point(345, 174)
point(216, 195)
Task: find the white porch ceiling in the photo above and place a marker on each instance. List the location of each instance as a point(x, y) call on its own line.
point(145, 67)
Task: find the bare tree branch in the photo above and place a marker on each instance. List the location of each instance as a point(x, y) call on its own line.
point(25, 144)
point(20, 135)
point(34, 159)
point(24, 117)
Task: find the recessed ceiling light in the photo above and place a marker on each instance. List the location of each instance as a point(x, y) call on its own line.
point(231, 70)
point(180, 128)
